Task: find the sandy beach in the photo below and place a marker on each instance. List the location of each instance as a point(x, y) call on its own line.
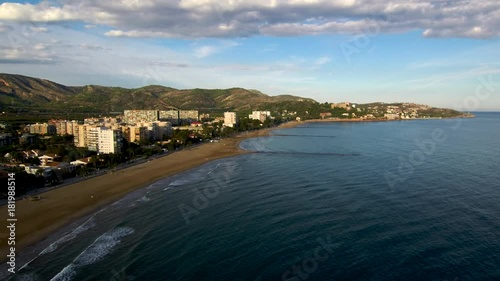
point(59, 207)
point(62, 206)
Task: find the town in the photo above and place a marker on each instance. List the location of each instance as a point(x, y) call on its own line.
point(63, 151)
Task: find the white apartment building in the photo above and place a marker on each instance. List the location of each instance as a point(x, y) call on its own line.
point(259, 115)
point(229, 119)
point(109, 141)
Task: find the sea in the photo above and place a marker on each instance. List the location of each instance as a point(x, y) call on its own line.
point(402, 200)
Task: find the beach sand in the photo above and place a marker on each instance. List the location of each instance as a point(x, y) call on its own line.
point(59, 207)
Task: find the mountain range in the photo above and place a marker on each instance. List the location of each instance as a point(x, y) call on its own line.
point(18, 92)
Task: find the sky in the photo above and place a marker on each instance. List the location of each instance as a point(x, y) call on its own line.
point(438, 52)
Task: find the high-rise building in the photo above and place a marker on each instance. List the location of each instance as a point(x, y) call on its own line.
point(168, 114)
point(134, 116)
point(42, 129)
point(229, 119)
point(259, 115)
point(81, 135)
point(176, 116)
point(160, 129)
point(189, 115)
point(135, 133)
point(109, 141)
point(64, 127)
point(93, 138)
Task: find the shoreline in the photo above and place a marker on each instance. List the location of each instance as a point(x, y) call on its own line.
point(62, 207)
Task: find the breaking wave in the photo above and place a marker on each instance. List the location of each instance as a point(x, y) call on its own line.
point(102, 246)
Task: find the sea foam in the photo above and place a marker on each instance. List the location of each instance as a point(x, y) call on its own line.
point(101, 247)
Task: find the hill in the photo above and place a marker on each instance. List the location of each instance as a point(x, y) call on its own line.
point(18, 92)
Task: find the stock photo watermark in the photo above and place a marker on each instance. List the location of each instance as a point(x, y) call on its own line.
point(309, 265)
point(11, 222)
point(486, 87)
point(217, 182)
point(120, 275)
point(363, 40)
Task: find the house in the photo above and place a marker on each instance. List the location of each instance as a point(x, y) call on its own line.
point(45, 160)
point(325, 114)
point(80, 162)
point(31, 153)
point(48, 158)
point(38, 170)
point(62, 166)
point(391, 116)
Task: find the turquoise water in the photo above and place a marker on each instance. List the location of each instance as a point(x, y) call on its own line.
point(409, 200)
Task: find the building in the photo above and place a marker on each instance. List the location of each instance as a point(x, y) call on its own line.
point(259, 115)
point(136, 133)
point(134, 116)
point(168, 114)
point(109, 141)
point(323, 115)
point(34, 153)
point(343, 105)
point(189, 115)
point(80, 162)
point(45, 159)
point(64, 127)
point(27, 139)
point(93, 138)
point(204, 116)
point(42, 129)
point(391, 116)
point(176, 116)
point(171, 116)
point(38, 170)
point(160, 129)
point(81, 135)
point(229, 119)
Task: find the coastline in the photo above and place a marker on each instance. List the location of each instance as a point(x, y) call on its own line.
point(61, 207)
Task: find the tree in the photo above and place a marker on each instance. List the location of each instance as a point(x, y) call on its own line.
point(33, 161)
point(93, 160)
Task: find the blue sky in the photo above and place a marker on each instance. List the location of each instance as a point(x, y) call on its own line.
point(441, 53)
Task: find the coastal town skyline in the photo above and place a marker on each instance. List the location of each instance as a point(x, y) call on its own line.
point(249, 140)
point(425, 52)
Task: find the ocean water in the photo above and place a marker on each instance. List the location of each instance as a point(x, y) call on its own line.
point(403, 200)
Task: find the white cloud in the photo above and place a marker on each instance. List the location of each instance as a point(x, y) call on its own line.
point(322, 61)
point(229, 18)
point(39, 29)
point(40, 46)
point(209, 50)
point(205, 51)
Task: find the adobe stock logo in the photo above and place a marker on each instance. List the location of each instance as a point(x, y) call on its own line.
point(303, 270)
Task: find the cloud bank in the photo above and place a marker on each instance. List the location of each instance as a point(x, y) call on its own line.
point(236, 18)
